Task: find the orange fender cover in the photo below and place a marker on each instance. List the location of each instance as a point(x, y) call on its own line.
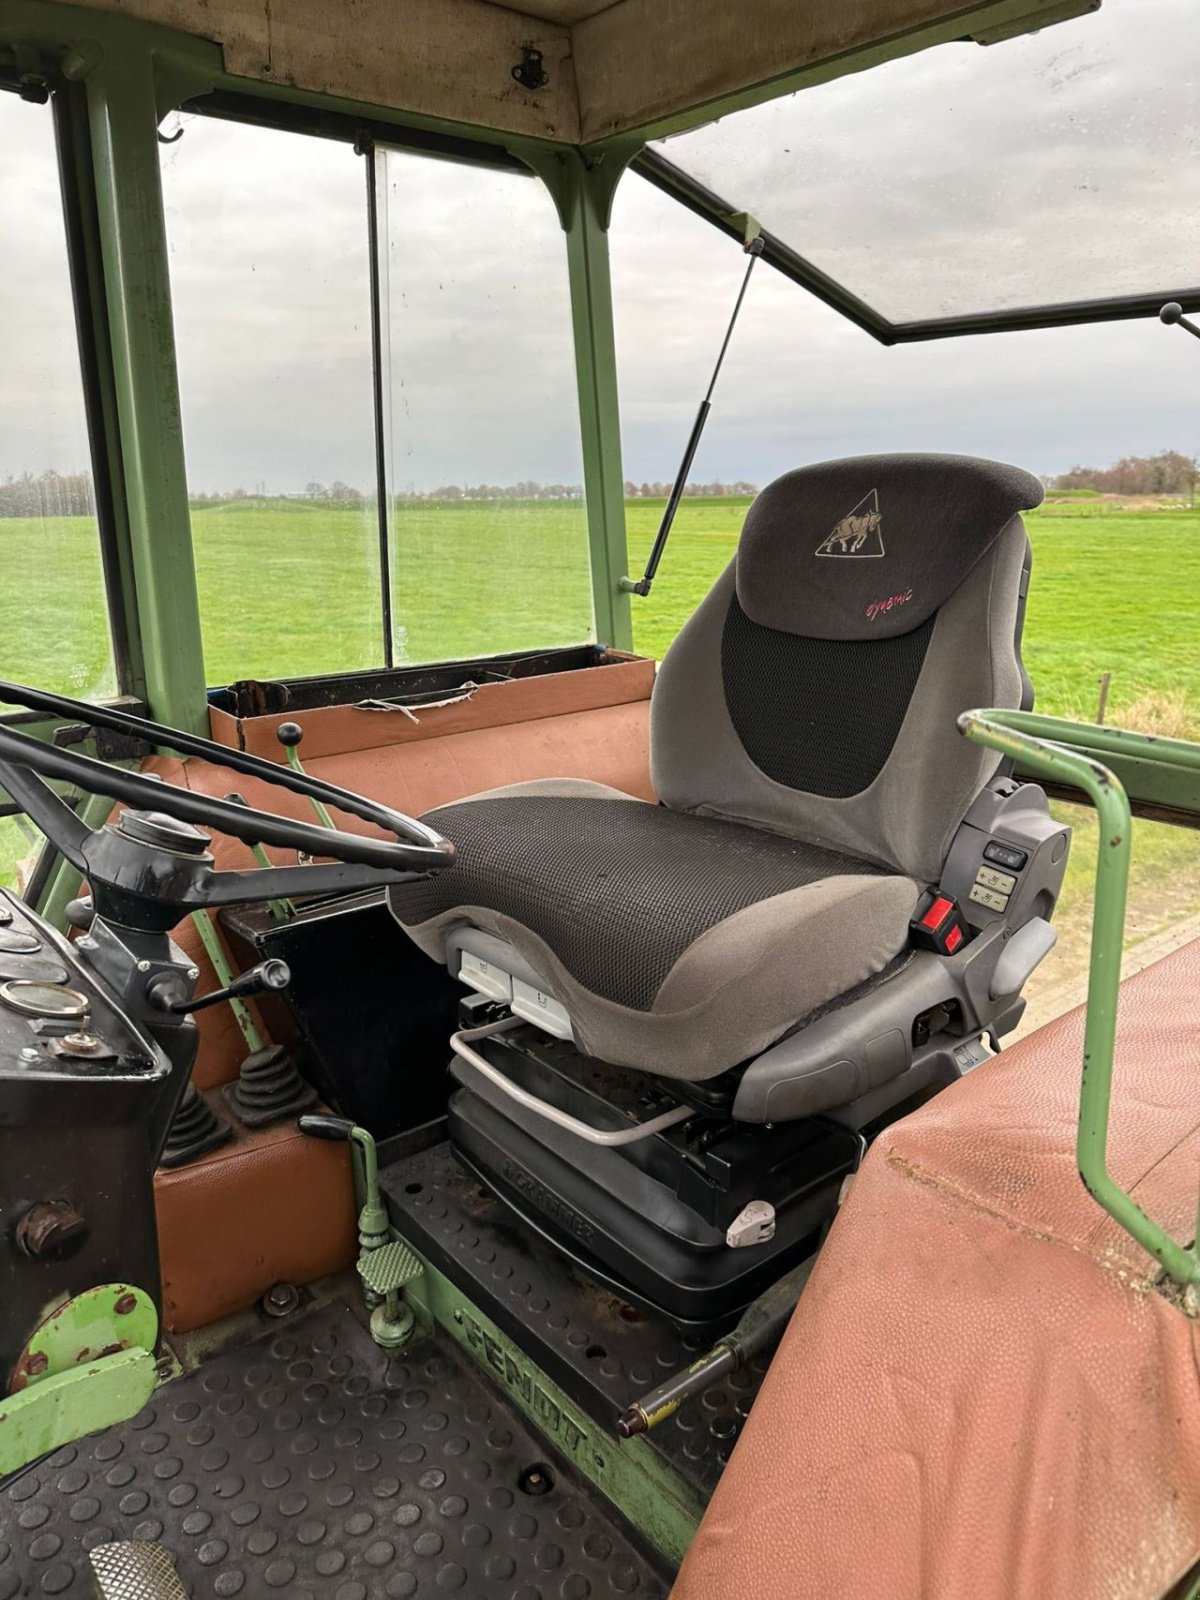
point(983, 1393)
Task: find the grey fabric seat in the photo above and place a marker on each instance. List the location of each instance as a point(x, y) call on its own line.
point(804, 747)
point(715, 936)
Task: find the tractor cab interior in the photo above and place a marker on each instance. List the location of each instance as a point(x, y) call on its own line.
point(490, 1110)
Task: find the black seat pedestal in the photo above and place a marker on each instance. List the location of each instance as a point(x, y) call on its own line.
point(648, 1218)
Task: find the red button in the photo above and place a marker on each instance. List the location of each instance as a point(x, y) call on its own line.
point(937, 913)
point(953, 939)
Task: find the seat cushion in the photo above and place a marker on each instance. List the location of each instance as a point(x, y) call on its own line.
point(679, 944)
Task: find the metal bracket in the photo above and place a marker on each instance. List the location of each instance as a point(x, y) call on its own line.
point(110, 746)
point(59, 1409)
point(529, 71)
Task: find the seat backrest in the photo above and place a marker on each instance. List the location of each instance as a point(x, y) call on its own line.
point(816, 689)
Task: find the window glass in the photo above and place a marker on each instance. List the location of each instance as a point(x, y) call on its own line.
point(54, 629)
point(1056, 166)
point(489, 527)
point(270, 282)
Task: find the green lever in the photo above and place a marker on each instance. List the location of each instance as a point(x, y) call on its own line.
point(385, 1265)
point(280, 910)
point(289, 735)
point(373, 1227)
point(210, 939)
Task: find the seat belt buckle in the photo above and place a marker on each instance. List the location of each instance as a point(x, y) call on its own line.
point(938, 924)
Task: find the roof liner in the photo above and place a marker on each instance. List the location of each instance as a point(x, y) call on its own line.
point(635, 66)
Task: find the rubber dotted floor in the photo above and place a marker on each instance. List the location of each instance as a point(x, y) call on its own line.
point(312, 1466)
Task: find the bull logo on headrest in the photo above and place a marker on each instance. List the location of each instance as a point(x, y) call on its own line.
point(858, 533)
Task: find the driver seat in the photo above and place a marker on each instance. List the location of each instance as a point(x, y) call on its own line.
point(811, 777)
point(755, 941)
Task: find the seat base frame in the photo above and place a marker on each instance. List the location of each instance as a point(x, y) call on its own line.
point(648, 1219)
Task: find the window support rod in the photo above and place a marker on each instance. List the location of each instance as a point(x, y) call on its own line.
point(754, 248)
point(366, 148)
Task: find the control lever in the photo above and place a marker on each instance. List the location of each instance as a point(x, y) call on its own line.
point(281, 910)
point(267, 975)
point(1172, 313)
point(385, 1265)
point(289, 735)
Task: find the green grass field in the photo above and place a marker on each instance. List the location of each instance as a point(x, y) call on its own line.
point(292, 587)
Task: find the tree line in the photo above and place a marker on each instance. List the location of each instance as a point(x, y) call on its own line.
point(69, 494)
point(1168, 472)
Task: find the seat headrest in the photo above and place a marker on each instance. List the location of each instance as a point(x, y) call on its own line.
point(872, 546)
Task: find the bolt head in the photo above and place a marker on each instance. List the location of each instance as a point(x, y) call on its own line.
point(85, 943)
point(143, 966)
point(125, 1303)
point(193, 973)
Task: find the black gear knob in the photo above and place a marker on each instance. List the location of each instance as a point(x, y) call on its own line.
point(289, 734)
point(1171, 312)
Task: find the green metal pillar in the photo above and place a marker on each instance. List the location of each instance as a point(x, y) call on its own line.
point(123, 116)
point(584, 192)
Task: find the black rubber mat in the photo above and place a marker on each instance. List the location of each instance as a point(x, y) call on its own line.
point(312, 1466)
point(603, 1352)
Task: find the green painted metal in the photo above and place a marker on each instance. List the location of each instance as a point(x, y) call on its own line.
point(384, 1271)
point(280, 910)
point(630, 1473)
point(123, 110)
point(1152, 770)
point(211, 940)
point(323, 816)
point(88, 1365)
point(64, 1408)
point(93, 1323)
point(389, 1267)
point(583, 194)
point(374, 1229)
point(1029, 740)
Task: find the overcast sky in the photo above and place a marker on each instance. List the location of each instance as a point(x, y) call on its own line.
point(1041, 168)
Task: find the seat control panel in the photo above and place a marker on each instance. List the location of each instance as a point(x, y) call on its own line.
point(1008, 857)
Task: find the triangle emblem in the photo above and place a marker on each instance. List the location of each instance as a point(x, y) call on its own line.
point(859, 533)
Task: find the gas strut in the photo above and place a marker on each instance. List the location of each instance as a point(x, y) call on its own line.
point(762, 1324)
point(754, 248)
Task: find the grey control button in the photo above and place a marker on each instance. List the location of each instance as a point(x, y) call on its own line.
point(989, 898)
point(991, 879)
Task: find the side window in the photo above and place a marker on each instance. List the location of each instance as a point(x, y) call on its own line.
point(54, 626)
point(489, 526)
point(271, 289)
point(54, 619)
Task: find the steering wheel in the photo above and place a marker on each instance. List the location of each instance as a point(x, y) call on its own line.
point(154, 855)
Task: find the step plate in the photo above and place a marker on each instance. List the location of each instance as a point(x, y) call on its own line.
point(603, 1352)
point(313, 1464)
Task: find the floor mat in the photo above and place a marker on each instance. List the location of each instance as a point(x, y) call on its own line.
point(313, 1466)
point(603, 1353)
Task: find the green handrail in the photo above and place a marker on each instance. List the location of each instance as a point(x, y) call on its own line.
point(1028, 739)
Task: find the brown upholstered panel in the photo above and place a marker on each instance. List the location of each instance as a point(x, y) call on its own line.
point(981, 1393)
point(275, 1206)
point(271, 1207)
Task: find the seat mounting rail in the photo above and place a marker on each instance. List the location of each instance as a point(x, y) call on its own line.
point(460, 1043)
